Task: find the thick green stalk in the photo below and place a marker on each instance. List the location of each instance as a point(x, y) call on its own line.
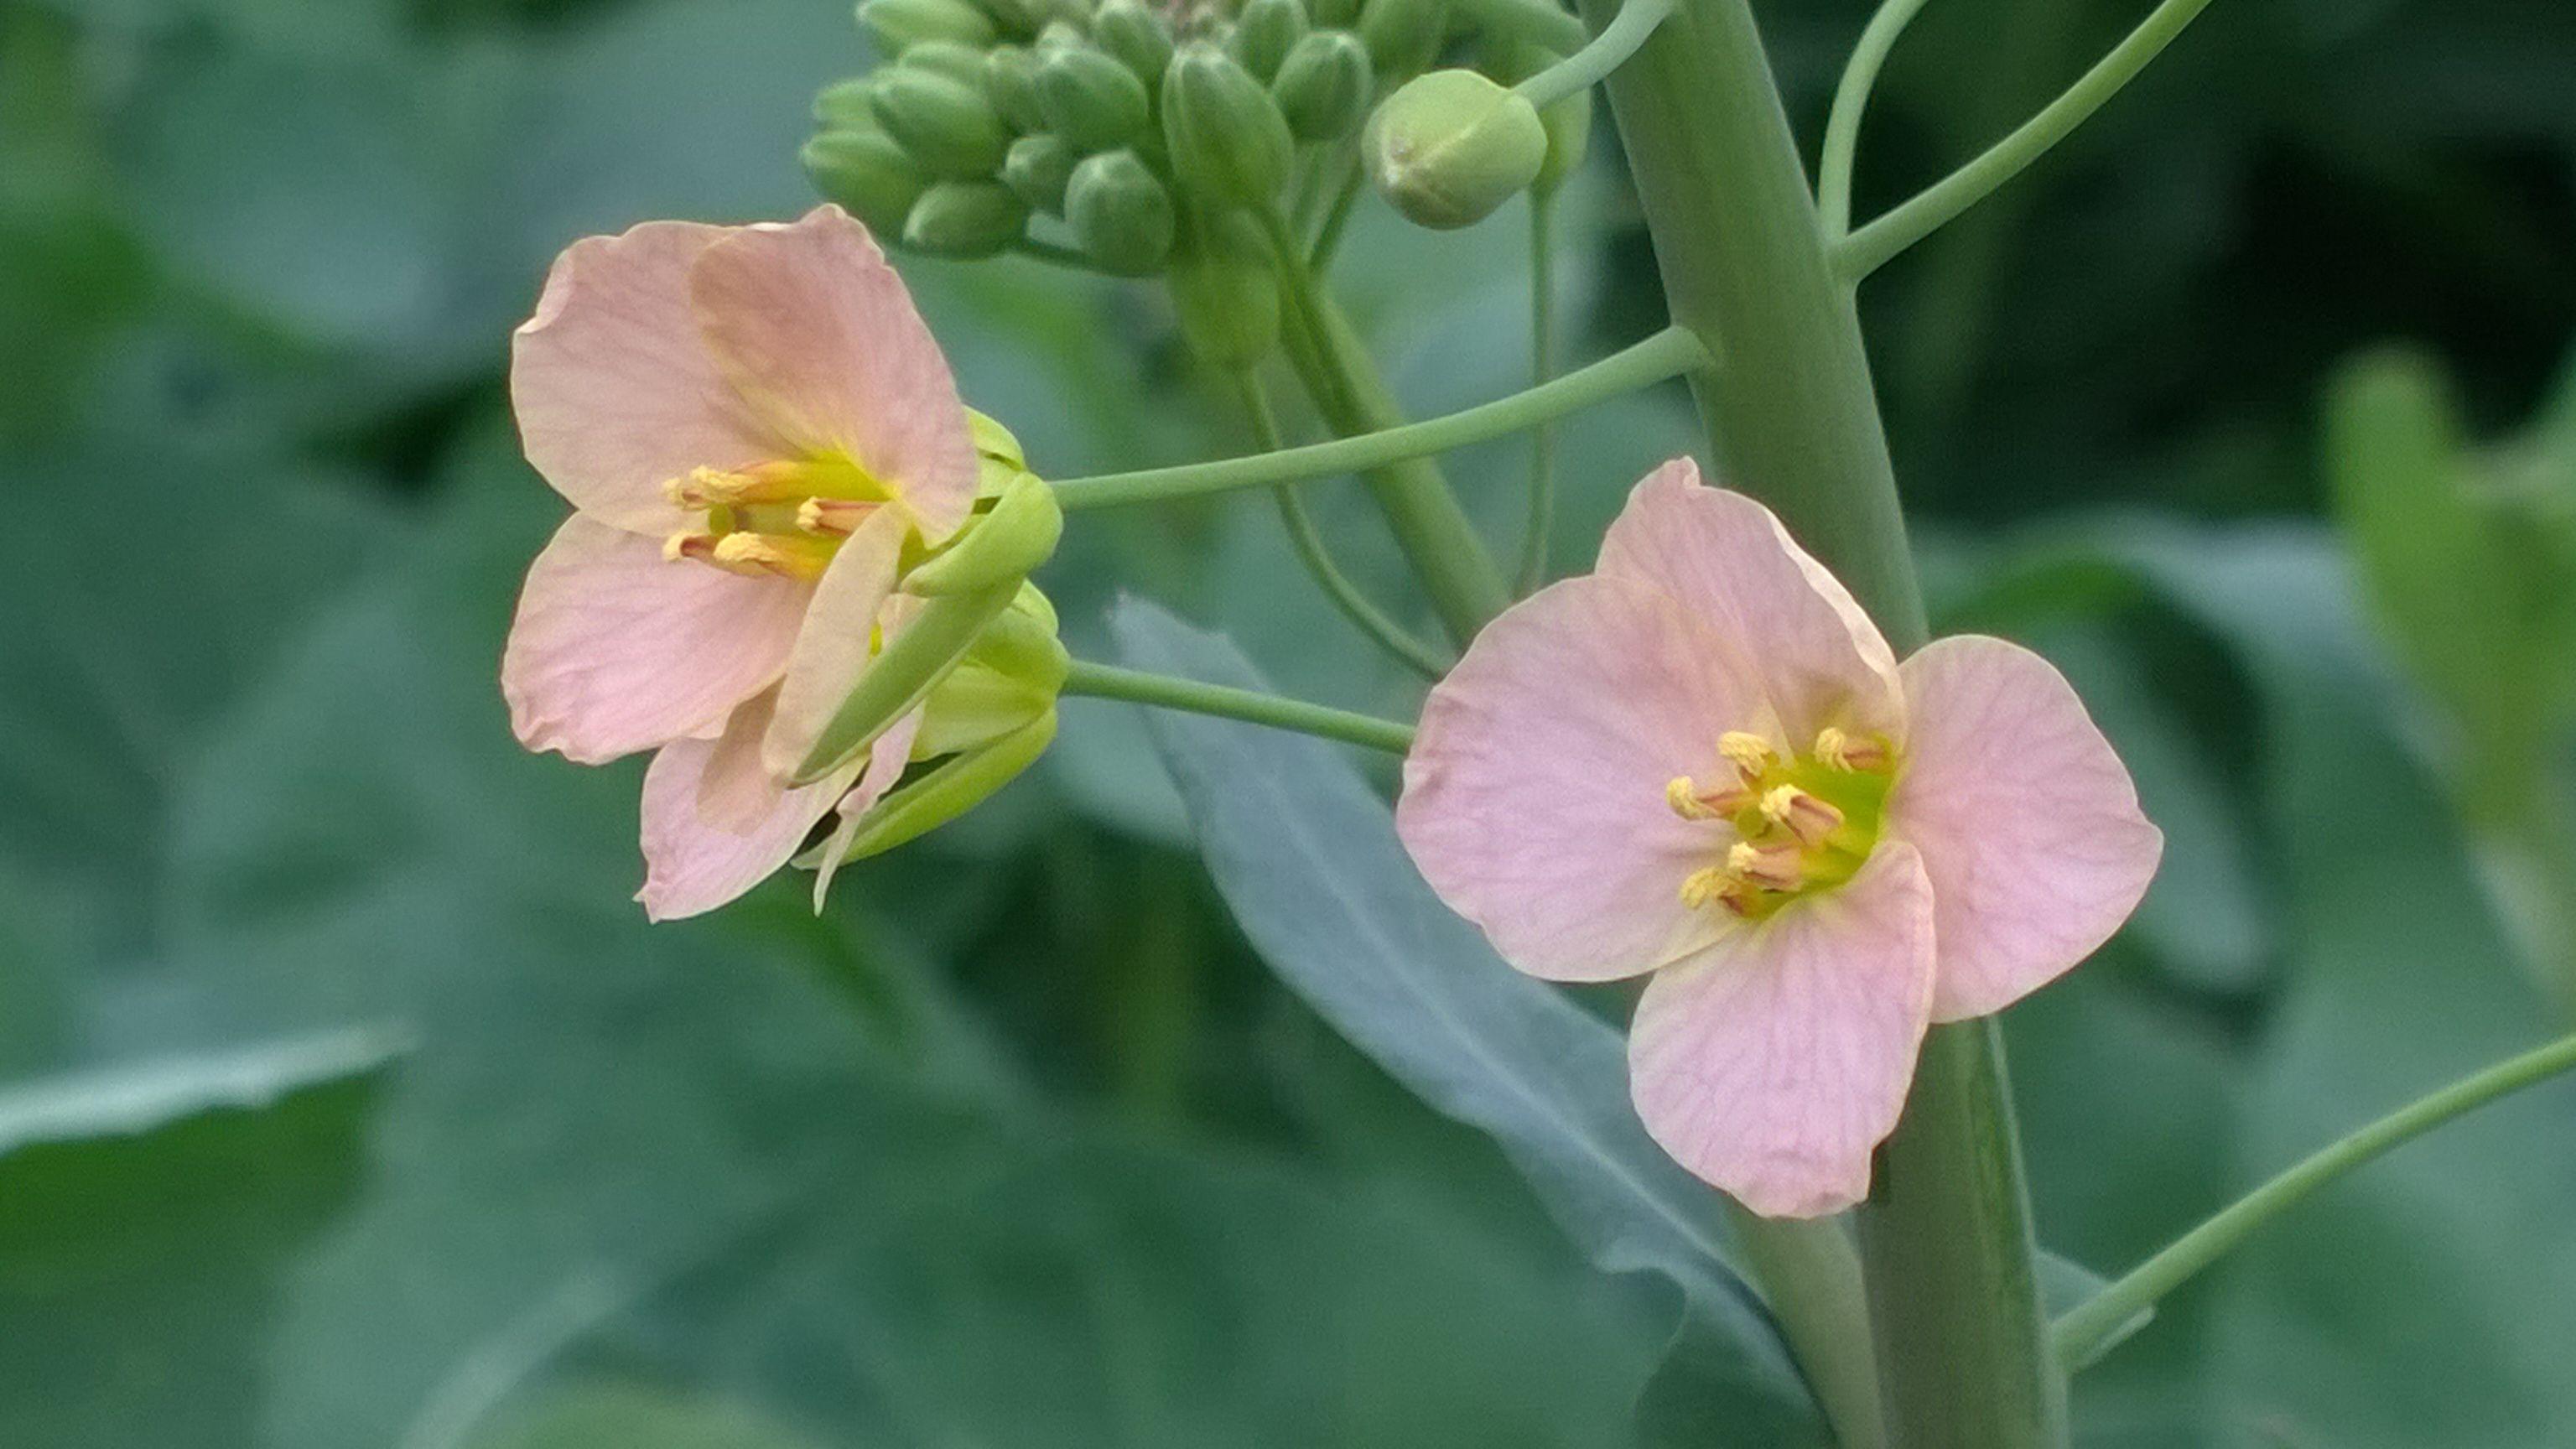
point(1962, 1354)
point(1466, 588)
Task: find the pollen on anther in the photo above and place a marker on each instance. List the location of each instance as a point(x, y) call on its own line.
point(1840, 750)
point(1809, 817)
point(1747, 751)
point(1774, 867)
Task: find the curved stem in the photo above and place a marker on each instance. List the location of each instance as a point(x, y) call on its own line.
point(1669, 353)
point(1308, 542)
point(1867, 249)
point(1851, 98)
point(1542, 480)
point(1163, 691)
point(1599, 56)
point(1328, 239)
point(2077, 1333)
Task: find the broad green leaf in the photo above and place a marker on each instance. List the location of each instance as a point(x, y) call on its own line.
point(609, 1414)
point(1307, 857)
point(148, 1217)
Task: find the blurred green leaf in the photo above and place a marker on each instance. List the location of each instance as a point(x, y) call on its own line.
point(612, 1415)
point(147, 1217)
point(1307, 857)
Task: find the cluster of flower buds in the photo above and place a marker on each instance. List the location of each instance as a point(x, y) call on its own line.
point(1130, 133)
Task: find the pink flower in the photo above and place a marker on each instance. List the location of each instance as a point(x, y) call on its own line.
point(1702, 761)
point(752, 424)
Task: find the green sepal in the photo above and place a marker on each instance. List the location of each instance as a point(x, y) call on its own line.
point(899, 25)
point(995, 444)
point(957, 785)
point(998, 548)
point(867, 172)
point(1136, 36)
point(1264, 32)
point(964, 219)
point(950, 127)
point(963, 64)
point(847, 105)
point(1323, 86)
point(1119, 214)
point(902, 675)
point(1092, 100)
point(1011, 79)
point(1015, 670)
point(1227, 140)
point(1037, 169)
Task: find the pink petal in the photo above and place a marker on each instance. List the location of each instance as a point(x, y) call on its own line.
point(616, 649)
point(693, 863)
point(814, 328)
point(2028, 823)
point(613, 386)
point(1729, 561)
point(837, 640)
point(887, 759)
point(1774, 1062)
point(1534, 794)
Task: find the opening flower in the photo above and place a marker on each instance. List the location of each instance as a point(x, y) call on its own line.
point(1703, 761)
point(757, 433)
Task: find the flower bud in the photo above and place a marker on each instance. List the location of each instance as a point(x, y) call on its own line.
point(1224, 291)
point(1449, 147)
point(964, 219)
point(1403, 36)
point(948, 126)
point(1228, 141)
point(963, 64)
point(1136, 36)
point(1011, 79)
point(1120, 215)
point(868, 173)
point(1037, 170)
point(1264, 32)
point(847, 105)
point(1323, 86)
point(899, 25)
point(1091, 100)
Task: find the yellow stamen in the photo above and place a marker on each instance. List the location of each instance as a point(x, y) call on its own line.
point(1806, 816)
point(832, 517)
point(1773, 867)
point(700, 546)
point(1749, 752)
point(788, 558)
point(1713, 884)
point(1839, 750)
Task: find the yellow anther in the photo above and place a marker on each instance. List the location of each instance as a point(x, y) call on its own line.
point(832, 517)
point(1809, 817)
point(1701, 887)
point(727, 487)
point(1840, 750)
point(760, 553)
point(1749, 752)
point(1773, 867)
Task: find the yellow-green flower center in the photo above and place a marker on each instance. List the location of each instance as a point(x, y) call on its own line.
point(1792, 823)
point(784, 517)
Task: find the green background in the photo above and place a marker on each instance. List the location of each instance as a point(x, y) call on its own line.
point(346, 1099)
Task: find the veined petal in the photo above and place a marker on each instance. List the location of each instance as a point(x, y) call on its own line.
point(1728, 560)
point(616, 649)
point(817, 333)
point(837, 639)
point(2028, 823)
point(885, 764)
point(693, 864)
point(612, 384)
point(1774, 1062)
point(1534, 797)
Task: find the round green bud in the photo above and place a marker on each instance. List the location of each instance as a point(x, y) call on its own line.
point(868, 173)
point(1011, 79)
point(964, 219)
point(1403, 36)
point(1224, 291)
point(899, 25)
point(1091, 100)
point(1037, 171)
point(948, 126)
point(1120, 215)
point(1228, 141)
point(1449, 147)
point(1061, 35)
point(1323, 86)
point(847, 105)
point(1139, 37)
point(963, 64)
point(1264, 32)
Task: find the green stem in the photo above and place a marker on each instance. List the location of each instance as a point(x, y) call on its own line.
point(1851, 98)
point(1328, 239)
point(1308, 541)
point(1810, 1278)
point(2083, 1329)
point(1668, 353)
point(1959, 1348)
point(1869, 248)
point(1433, 531)
point(1164, 691)
point(1542, 480)
point(1599, 56)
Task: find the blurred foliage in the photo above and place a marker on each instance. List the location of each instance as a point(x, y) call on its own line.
point(344, 1098)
